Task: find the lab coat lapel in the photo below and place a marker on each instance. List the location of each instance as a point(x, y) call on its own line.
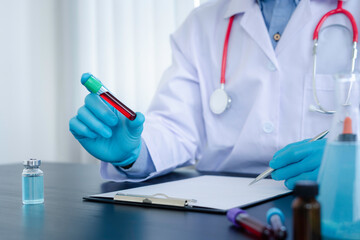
point(253, 23)
point(300, 17)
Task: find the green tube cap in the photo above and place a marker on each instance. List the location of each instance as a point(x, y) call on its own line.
point(91, 82)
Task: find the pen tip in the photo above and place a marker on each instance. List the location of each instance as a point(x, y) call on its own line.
point(254, 181)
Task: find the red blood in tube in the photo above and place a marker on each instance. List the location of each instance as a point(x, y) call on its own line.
point(254, 227)
point(113, 101)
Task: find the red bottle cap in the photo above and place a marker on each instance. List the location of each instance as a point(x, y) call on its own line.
point(347, 134)
point(347, 126)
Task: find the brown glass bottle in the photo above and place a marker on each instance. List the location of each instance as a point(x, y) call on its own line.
point(306, 211)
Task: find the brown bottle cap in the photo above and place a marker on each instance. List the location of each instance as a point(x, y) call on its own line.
point(306, 189)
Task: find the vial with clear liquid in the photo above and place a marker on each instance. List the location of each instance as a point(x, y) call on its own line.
point(32, 182)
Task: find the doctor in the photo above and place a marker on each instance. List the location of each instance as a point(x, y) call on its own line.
point(268, 76)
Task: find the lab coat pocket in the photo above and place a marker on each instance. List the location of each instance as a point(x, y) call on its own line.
point(313, 121)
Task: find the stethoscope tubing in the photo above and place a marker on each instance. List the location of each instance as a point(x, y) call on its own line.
point(318, 107)
point(338, 10)
point(226, 44)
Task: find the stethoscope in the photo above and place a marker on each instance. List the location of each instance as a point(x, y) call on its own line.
point(319, 108)
point(220, 100)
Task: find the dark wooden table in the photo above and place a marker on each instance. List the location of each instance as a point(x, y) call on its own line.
point(65, 215)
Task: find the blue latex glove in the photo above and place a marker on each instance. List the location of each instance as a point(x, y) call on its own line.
point(107, 134)
point(298, 161)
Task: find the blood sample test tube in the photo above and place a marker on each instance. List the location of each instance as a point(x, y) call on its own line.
point(95, 86)
point(241, 219)
point(276, 219)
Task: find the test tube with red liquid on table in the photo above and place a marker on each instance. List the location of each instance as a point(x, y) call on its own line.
point(95, 86)
point(249, 224)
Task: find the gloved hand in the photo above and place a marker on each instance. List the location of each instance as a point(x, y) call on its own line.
point(298, 161)
point(105, 133)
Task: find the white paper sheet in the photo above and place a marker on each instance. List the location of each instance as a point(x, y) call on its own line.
point(218, 192)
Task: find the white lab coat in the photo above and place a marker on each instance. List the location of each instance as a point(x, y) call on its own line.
point(271, 90)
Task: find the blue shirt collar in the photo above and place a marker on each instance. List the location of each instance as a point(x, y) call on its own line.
point(240, 6)
point(296, 1)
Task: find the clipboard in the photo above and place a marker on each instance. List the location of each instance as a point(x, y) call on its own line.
point(156, 199)
point(211, 194)
point(164, 205)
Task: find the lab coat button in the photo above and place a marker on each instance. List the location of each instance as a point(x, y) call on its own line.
point(268, 127)
point(277, 37)
point(271, 67)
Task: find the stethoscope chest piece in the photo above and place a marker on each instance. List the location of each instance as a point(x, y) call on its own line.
point(219, 101)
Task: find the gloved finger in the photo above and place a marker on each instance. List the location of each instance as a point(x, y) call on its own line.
point(308, 164)
point(311, 176)
point(101, 110)
point(296, 153)
point(80, 130)
point(290, 146)
point(93, 123)
point(136, 126)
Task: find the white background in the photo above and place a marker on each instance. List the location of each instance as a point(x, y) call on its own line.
point(46, 45)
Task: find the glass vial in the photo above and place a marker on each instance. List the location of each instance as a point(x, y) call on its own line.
point(32, 182)
point(306, 211)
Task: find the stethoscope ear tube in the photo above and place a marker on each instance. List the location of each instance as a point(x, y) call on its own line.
point(318, 108)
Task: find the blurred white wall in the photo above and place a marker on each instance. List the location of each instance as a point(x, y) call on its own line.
point(46, 45)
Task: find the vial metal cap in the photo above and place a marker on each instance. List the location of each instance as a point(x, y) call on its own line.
point(32, 162)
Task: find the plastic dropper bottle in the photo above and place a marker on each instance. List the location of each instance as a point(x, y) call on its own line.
point(339, 174)
point(32, 182)
point(306, 211)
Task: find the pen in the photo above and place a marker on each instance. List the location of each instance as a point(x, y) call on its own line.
point(268, 171)
point(241, 219)
point(276, 219)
